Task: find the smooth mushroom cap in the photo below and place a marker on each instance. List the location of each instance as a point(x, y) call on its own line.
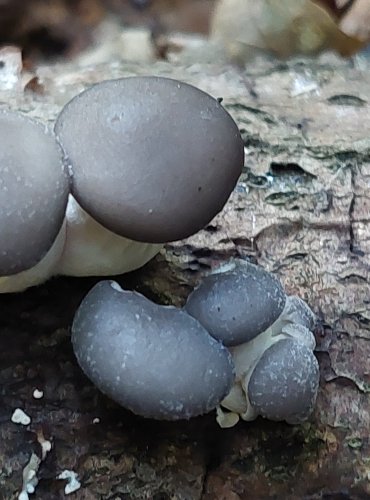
point(237, 305)
point(153, 159)
point(157, 361)
point(284, 383)
point(34, 188)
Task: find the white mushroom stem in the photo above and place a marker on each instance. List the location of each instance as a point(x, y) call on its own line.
point(83, 248)
point(290, 324)
point(92, 250)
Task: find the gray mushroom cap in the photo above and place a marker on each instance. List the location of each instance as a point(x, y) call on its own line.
point(157, 361)
point(237, 305)
point(153, 159)
point(34, 188)
point(284, 383)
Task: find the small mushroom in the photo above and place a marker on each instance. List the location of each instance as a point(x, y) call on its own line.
point(157, 361)
point(34, 188)
point(237, 305)
point(284, 383)
point(245, 308)
point(247, 356)
point(153, 159)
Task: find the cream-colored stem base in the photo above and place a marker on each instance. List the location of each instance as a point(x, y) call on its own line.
point(92, 250)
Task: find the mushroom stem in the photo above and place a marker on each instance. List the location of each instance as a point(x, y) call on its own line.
point(39, 273)
point(92, 250)
point(83, 247)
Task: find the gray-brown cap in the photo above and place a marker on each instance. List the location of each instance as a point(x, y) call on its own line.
point(157, 361)
point(237, 305)
point(34, 188)
point(153, 159)
point(285, 381)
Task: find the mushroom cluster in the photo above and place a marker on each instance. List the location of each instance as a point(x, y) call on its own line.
point(132, 164)
point(239, 345)
point(270, 339)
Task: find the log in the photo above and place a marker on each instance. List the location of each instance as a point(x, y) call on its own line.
point(301, 210)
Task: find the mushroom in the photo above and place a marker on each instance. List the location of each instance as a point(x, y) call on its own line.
point(152, 159)
point(155, 360)
point(284, 383)
point(34, 187)
point(237, 305)
point(245, 307)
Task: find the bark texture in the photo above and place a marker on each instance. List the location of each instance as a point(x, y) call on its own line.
point(301, 210)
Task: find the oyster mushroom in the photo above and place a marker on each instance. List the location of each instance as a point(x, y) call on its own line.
point(34, 187)
point(157, 361)
point(269, 337)
point(237, 305)
point(152, 159)
point(284, 383)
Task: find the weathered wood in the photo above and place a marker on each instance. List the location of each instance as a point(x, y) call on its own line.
point(301, 209)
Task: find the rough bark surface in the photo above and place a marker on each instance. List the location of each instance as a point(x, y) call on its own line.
point(301, 210)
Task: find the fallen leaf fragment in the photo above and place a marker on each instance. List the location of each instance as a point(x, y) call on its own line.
point(356, 22)
point(283, 28)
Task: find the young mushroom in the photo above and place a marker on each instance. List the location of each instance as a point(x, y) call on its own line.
point(284, 383)
point(157, 361)
point(153, 160)
point(269, 337)
point(237, 304)
point(34, 188)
